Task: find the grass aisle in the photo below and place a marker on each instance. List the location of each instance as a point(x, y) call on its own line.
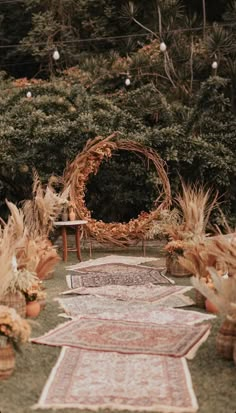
point(213, 378)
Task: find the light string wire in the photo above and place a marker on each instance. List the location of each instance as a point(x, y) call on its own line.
point(107, 38)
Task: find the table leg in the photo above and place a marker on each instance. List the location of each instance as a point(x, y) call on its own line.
point(77, 240)
point(64, 243)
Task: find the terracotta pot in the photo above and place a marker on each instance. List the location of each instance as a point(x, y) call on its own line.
point(210, 307)
point(7, 358)
point(33, 309)
point(72, 215)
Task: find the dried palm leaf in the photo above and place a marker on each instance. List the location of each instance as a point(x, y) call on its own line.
point(223, 296)
point(224, 248)
point(22, 280)
point(197, 259)
point(7, 251)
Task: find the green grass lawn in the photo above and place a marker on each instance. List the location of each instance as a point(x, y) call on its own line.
point(213, 378)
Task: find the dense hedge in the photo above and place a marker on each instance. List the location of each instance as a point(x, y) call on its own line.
point(49, 129)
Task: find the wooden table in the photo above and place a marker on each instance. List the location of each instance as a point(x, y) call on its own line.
point(70, 224)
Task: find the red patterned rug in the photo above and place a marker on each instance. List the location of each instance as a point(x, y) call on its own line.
point(128, 337)
point(116, 274)
point(98, 380)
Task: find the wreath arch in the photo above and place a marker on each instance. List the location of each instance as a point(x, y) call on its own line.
point(86, 163)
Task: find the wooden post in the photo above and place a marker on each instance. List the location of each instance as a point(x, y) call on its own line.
point(77, 240)
point(64, 243)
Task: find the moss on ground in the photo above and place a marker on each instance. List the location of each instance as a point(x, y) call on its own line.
point(213, 378)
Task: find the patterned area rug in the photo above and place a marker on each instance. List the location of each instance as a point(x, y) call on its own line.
point(109, 259)
point(140, 293)
point(115, 310)
point(99, 380)
point(128, 337)
point(116, 274)
point(82, 305)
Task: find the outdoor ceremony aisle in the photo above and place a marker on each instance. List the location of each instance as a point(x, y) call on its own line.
point(126, 345)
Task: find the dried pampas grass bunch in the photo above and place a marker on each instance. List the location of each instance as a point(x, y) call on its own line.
point(46, 205)
point(7, 250)
point(195, 208)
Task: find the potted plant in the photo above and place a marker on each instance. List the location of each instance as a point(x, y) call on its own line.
point(13, 331)
point(33, 296)
point(175, 249)
point(190, 228)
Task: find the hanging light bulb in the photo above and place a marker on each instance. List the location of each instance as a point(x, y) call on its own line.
point(163, 47)
point(127, 82)
point(29, 95)
point(56, 55)
point(214, 65)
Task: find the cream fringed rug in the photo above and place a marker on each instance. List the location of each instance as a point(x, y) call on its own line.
point(112, 259)
point(101, 380)
point(130, 311)
point(88, 304)
point(140, 293)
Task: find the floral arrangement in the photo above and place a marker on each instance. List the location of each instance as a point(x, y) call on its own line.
point(86, 163)
point(195, 208)
point(15, 329)
point(177, 247)
point(35, 292)
point(21, 280)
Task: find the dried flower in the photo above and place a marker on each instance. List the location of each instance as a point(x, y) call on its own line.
point(16, 329)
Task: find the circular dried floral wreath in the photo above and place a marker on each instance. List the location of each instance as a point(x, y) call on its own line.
point(86, 163)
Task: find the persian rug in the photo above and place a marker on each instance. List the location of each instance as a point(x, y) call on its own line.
point(100, 380)
point(82, 305)
point(140, 293)
point(128, 337)
point(116, 274)
point(177, 300)
point(116, 310)
point(125, 259)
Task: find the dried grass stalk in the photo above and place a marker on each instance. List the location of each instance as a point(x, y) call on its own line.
point(196, 259)
point(195, 209)
point(45, 207)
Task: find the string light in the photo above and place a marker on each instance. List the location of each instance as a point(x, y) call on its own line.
point(214, 65)
point(56, 55)
point(127, 81)
point(163, 47)
point(29, 95)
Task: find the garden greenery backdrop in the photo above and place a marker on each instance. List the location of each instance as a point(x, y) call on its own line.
point(176, 102)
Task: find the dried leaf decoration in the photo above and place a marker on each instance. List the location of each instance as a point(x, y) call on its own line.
point(86, 163)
